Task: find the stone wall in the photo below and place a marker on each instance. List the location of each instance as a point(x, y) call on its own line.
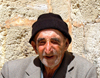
point(17, 16)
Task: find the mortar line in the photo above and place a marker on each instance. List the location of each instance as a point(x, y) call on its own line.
point(49, 4)
point(3, 48)
point(69, 21)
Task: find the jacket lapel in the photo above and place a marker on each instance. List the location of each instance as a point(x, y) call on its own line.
point(66, 68)
point(71, 68)
point(33, 70)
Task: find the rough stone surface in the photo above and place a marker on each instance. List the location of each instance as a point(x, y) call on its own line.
point(2, 44)
point(85, 10)
point(78, 40)
point(92, 43)
point(59, 9)
point(17, 43)
point(30, 9)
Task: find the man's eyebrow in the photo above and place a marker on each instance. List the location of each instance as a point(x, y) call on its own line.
point(56, 39)
point(39, 39)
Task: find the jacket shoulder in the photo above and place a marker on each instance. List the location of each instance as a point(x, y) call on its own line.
point(83, 67)
point(16, 68)
point(20, 62)
point(18, 65)
point(82, 61)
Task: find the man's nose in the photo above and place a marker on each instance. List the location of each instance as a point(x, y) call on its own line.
point(48, 48)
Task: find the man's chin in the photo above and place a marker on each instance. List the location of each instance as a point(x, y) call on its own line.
point(50, 65)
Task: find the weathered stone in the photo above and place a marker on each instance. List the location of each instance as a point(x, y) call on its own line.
point(17, 45)
point(92, 43)
point(98, 20)
point(2, 45)
point(77, 24)
point(64, 10)
point(22, 8)
point(78, 40)
point(85, 10)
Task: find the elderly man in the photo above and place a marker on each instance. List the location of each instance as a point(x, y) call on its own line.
point(50, 40)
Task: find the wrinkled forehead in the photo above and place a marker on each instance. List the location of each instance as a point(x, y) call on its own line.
point(48, 32)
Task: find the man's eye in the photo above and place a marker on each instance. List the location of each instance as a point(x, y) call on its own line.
point(41, 43)
point(55, 42)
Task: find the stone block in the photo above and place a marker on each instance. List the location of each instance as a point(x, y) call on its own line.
point(85, 10)
point(61, 7)
point(17, 45)
point(22, 8)
point(78, 40)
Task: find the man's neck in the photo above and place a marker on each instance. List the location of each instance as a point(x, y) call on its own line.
point(49, 72)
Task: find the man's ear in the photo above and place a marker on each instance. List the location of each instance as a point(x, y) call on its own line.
point(34, 46)
point(67, 44)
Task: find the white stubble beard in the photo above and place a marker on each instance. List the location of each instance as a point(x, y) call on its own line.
point(57, 61)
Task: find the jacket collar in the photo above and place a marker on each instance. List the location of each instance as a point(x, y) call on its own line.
point(65, 70)
point(33, 70)
point(71, 66)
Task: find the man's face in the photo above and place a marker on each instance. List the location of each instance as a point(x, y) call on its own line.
point(51, 46)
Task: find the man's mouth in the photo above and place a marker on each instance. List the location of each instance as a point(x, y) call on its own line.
point(48, 57)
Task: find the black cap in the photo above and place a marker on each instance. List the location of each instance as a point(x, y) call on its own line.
point(50, 21)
